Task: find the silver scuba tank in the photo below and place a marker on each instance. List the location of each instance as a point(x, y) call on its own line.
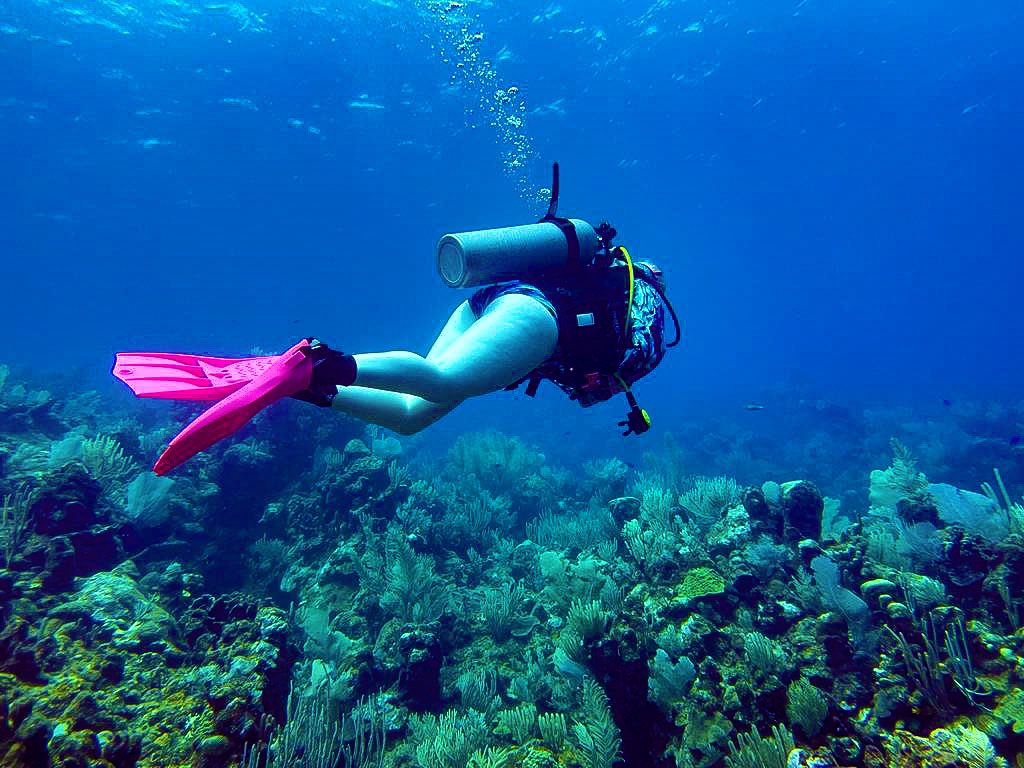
point(468, 259)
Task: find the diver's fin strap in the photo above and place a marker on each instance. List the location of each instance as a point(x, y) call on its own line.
point(332, 368)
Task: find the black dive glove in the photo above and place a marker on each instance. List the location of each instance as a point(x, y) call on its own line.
point(331, 369)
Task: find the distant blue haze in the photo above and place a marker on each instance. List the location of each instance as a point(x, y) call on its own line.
point(833, 188)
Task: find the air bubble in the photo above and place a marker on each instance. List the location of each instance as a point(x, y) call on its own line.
point(503, 106)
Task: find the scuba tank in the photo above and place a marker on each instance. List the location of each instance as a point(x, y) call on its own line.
point(552, 245)
point(470, 259)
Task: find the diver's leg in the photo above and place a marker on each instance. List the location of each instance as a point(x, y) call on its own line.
point(513, 336)
point(404, 414)
point(459, 322)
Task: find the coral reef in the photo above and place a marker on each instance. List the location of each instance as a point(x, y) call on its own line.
point(330, 596)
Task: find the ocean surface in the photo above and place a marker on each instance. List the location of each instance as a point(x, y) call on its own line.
point(833, 192)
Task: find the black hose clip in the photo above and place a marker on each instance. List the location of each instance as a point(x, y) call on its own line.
point(637, 420)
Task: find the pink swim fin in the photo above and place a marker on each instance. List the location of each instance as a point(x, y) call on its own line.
point(288, 374)
point(242, 386)
point(174, 376)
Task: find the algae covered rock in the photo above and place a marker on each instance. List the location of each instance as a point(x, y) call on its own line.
point(873, 590)
point(731, 532)
point(66, 502)
point(355, 449)
point(802, 504)
point(118, 681)
point(761, 512)
point(112, 605)
point(960, 744)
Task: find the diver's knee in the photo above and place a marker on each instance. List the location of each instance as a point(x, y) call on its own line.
point(445, 387)
point(463, 384)
point(420, 414)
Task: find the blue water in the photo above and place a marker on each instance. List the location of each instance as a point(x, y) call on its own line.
point(833, 188)
point(833, 191)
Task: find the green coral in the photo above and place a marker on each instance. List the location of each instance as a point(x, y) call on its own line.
point(705, 731)
point(14, 518)
point(310, 731)
point(492, 757)
point(501, 609)
point(709, 498)
point(414, 592)
point(499, 462)
point(763, 654)
point(1011, 710)
point(520, 723)
point(448, 741)
point(751, 750)
point(806, 707)
point(553, 729)
point(107, 462)
point(900, 481)
point(587, 619)
point(596, 734)
point(700, 582)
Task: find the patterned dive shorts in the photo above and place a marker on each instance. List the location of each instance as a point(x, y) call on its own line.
point(483, 298)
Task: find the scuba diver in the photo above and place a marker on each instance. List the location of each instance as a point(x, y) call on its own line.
point(556, 300)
